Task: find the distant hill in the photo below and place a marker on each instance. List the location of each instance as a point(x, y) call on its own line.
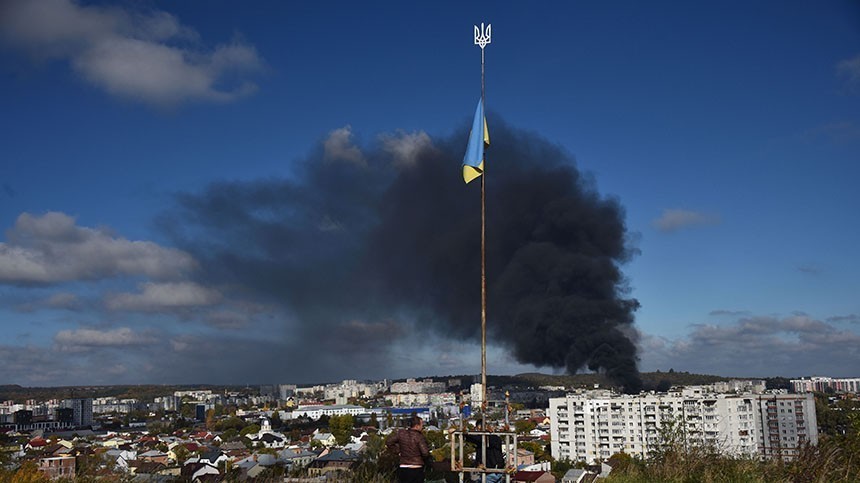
point(20, 394)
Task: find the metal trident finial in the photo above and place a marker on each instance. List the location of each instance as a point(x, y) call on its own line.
point(482, 37)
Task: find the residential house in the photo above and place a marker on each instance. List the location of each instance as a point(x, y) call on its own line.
point(213, 456)
point(36, 443)
point(58, 466)
point(272, 440)
point(326, 439)
point(296, 457)
point(154, 456)
point(534, 477)
point(250, 468)
point(120, 458)
point(577, 475)
point(334, 461)
point(194, 471)
point(525, 457)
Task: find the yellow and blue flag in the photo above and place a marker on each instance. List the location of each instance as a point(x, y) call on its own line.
point(479, 138)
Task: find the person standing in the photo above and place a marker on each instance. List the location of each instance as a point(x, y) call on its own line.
point(493, 450)
point(412, 447)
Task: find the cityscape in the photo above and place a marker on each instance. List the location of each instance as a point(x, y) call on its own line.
point(442, 242)
point(335, 431)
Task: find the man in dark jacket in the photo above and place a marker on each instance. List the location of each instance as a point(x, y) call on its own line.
point(495, 458)
point(412, 447)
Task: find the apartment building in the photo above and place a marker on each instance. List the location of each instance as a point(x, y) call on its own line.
point(823, 384)
point(592, 426)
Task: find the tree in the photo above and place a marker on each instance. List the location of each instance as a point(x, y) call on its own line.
point(28, 473)
point(560, 467)
point(276, 420)
point(436, 439)
point(210, 419)
point(181, 453)
point(523, 426)
point(230, 423)
point(374, 420)
point(341, 427)
point(188, 411)
point(250, 429)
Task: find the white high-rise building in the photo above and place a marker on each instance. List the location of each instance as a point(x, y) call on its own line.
point(594, 425)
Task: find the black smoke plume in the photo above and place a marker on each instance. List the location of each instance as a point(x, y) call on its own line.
point(377, 245)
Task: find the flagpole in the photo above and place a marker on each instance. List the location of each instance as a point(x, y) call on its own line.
point(482, 38)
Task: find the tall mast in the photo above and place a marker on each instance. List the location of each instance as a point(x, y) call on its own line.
point(482, 38)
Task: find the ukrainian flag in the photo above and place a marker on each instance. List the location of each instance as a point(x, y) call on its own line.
point(473, 162)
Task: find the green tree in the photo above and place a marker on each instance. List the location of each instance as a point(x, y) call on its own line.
point(341, 427)
point(250, 429)
point(523, 426)
point(230, 423)
point(276, 420)
point(181, 453)
point(560, 467)
point(436, 439)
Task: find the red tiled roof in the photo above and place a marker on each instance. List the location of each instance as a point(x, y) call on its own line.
point(528, 475)
point(38, 441)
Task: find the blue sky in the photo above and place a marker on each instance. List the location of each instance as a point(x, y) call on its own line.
point(728, 131)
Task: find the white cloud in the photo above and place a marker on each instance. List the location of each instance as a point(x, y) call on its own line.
point(160, 296)
point(85, 339)
point(143, 55)
point(757, 346)
point(339, 147)
point(51, 248)
point(675, 219)
point(405, 147)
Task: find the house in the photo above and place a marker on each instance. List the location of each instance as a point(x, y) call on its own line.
point(120, 458)
point(58, 466)
point(232, 446)
point(577, 475)
point(525, 457)
point(355, 447)
point(326, 439)
point(212, 456)
point(334, 461)
point(534, 476)
point(153, 456)
point(36, 443)
point(296, 457)
point(195, 470)
point(272, 440)
point(250, 468)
